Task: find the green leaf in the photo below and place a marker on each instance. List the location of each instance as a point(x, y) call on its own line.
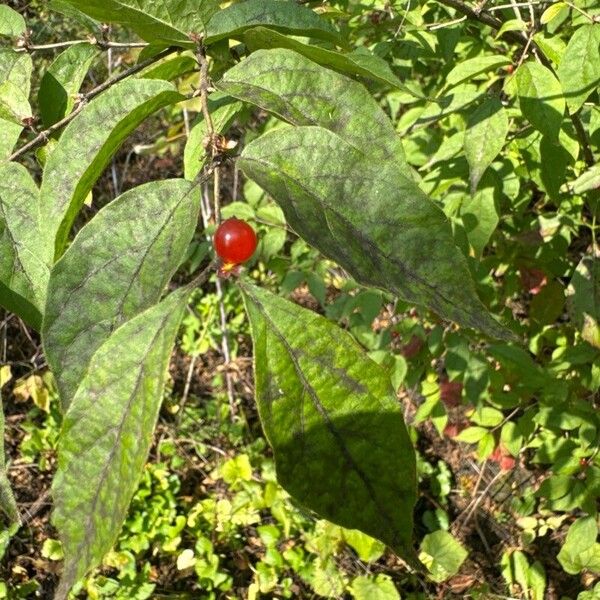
point(310, 95)
point(584, 298)
point(579, 69)
point(442, 554)
point(61, 82)
point(86, 147)
point(107, 433)
point(362, 63)
point(223, 112)
point(480, 217)
point(14, 105)
point(590, 180)
point(170, 22)
point(117, 266)
point(484, 138)
point(554, 162)
point(287, 17)
point(330, 413)
point(363, 213)
point(468, 69)
point(23, 273)
point(580, 550)
point(552, 11)
point(8, 503)
point(541, 98)
point(511, 25)
point(378, 587)
point(15, 67)
point(12, 24)
point(552, 46)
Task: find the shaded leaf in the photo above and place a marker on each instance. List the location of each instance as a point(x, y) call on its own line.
point(480, 217)
point(554, 162)
point(541, 98)
point(364, 214)
point(171, 22)
point(584, 298)
point(23, 273)
point(287, 17)
point(484, 138)
point(117, 266)
point(61, 82)
point(12, 24)
point(579, 69)
point(330, 413)
point(107, 433)
point(223, 111)
point(85, 148)
point(303, 93)
point(362, 63)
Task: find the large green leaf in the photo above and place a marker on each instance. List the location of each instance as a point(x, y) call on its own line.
point(581, 550)
point(374, 221)
point(223, 111)
point(361, 62)
point(331, 415)
point(106, 435)
point(172, 22)
point(541, 98)
point(61, 82)
point(304, 93)
point(117, 266)
point(579, 69)
point(85, 148)
point(484, 138)
point(14, 105)
point(584, 298)
point(12, 24)
point(284, 16)
point(23, 273)
point(15, 67)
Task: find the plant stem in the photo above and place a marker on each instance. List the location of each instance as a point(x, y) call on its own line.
point(43, 136)
point(25, 47)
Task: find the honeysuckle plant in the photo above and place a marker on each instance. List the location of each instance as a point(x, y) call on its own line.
point(104, 300)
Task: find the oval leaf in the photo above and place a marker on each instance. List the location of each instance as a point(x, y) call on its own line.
point(12, 24)
point(171, 22)
point(62, 81)
point(287, 17)
point(23, 273)
point(117, 266)
point(579, 69)
point(107, 433)
point(367, 216)
point(541, 98)
point(484, 138)
point(331, 415)
point(85, 148)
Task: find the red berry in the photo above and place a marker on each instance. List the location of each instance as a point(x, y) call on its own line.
point(451, 392)
point(235, 241)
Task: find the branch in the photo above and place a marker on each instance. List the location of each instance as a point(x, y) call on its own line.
point(524, 40)
point(24, 46)
point(43, 136)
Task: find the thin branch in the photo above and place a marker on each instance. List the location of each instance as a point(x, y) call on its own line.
point(43, 136)
point(23, 46)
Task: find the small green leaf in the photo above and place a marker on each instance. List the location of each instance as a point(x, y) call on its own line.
point(374, 587)
point(472, 67)
point(511, 25)
point(12, 24)
point(584, 298)
point(484, 138)
point(471, 435)
point(541, 98)
point(590, 180)
point(442, 554)
point(117, 266)
point(480, 217)
point(61, 82)
point(171, 22)
point(85, 148)
point(579, 69)
point(353, 466)
point(23, 273)
point(14, 105)
point(287, 17)
point(581, 550)
point(552, 11)
point(107, 433)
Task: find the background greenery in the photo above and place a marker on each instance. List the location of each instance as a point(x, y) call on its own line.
point(507, 435)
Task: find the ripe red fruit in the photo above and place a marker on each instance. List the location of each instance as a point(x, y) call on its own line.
point(451, 392)
point(235, 241)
